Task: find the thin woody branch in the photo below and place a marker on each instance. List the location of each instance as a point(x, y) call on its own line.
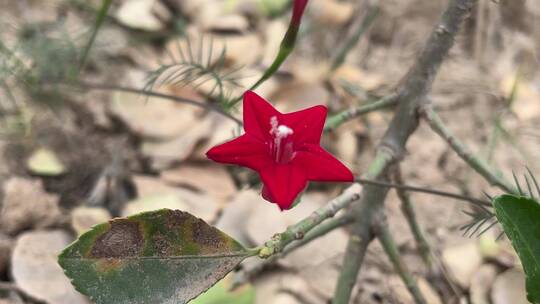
point(300, 229)
point(437, 125)
point(358, 30)
point(410, 215)
point(340, 118)
point(411, 94)
point(389, 245)
point(200, 104)
point(321, 230)
point(403, 187)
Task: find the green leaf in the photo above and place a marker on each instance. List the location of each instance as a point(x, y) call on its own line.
point(520, 218)
point(164, 256)
point(221, 294)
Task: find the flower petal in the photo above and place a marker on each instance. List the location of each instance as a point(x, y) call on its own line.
point(307, 124)
point(319, 165)
point(244, 151)
point(257, 115)
point(282, 184)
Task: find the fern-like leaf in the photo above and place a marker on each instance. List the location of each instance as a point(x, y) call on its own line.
point(482, 219)
point(196, 66)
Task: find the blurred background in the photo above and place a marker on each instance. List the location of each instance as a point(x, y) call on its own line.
point(77, 148)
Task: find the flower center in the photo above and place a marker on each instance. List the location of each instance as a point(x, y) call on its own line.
point(281, 148)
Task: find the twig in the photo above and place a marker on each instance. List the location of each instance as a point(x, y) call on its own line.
point(361, 236)
point(410, 215)
point(389, 246)
point(206, 106)
point(411, 94)
point(370, 203)
point(321, 230)
point(300, 229)
point(402, 187)
point(357, 32)
point(463, 151)
point(338, 119)
point(428, 256)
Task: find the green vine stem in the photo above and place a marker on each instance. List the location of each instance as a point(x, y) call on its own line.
point(411, 94)
point(299, 230)
point(410, 215)
point(358, 30)
point(389, 245)
point(340, 118)
point(106, 4)
point(480, 166)
point(321, 230)
point(285, 49)
point(403, 187)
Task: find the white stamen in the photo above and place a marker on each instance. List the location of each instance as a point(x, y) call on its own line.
point(280, 132)
point(273, 124)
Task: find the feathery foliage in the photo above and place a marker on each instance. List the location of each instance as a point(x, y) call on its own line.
point(40, 56)
point(483, 219)
point(196, 66)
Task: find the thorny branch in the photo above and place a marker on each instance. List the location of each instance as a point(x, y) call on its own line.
point(327, 226)
point(411, 94)
point(389, 245)
point(299, 230)
point(337, 119)
point(480, 166)
point(410, 215)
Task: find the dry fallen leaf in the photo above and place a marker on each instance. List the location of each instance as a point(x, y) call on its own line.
point(267, 219)
point(331, 12)
point(164, 154)
point(84, 218)
point(509, 288)
point(399, 291)
point(481, 283)
point(208, 178)
point(35, 269)
point(143, 14)
point(6, 244)
point(300, 96)
point(27, 205)
point(153, 118)
point(233, 219)
point(155, 194)
point(463, 260)
point(272, 287)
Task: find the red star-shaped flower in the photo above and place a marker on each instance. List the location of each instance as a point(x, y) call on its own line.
point(283, 148)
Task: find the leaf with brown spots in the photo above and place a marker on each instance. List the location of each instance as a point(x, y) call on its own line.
point(163, 256)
